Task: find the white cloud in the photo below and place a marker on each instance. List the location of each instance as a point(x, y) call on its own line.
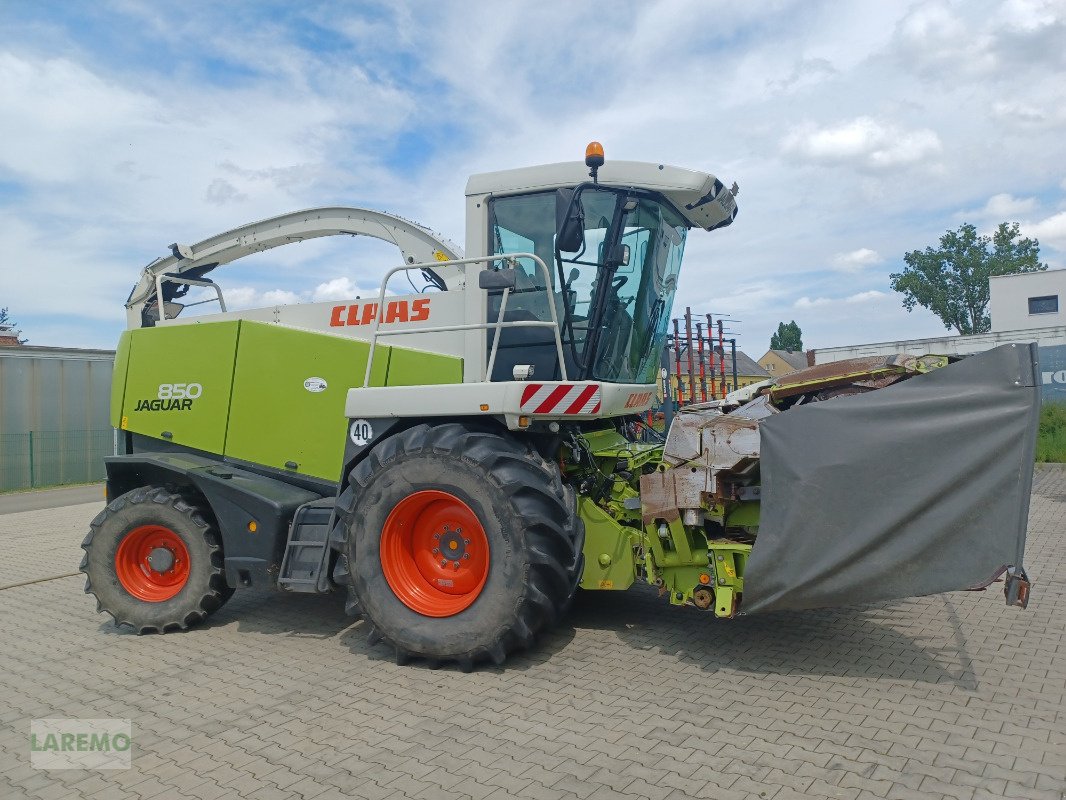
point(175, 151)
point(55, 97)
point(241, 297)
point(343, 288)
point(1006, 207)
point(856, 260)
point(221, 191)
point(951, 44)
point(935, 40)
point(1030, 14)
point(339, 289)
point(1050, 231)
point(1002, 207)
point(862, 142)
point(805, 72)
point(866, 297)
point(1029, 115)
point(806, 303)
point(931, 22)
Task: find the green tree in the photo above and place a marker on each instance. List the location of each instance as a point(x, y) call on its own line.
point(788, 337)
point(5, 319)
point(952, 280)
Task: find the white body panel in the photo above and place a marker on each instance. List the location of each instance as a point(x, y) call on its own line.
point(475, 300)
point(354, 319)
point(507, 400)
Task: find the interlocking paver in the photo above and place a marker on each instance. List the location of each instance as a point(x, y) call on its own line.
point(280, 697)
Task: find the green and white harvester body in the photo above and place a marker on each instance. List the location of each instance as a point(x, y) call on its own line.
point(460, 460)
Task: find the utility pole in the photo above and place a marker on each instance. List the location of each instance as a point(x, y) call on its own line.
point(677, 359)
point(733, 347)
point(691, 371)
point(721, 351)
point(699, 356)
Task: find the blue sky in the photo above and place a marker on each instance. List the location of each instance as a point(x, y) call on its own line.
point(856, 130)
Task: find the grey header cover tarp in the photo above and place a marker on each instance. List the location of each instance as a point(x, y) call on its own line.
point(918, 488)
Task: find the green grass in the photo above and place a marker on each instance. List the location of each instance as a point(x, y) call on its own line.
point(1051, 441)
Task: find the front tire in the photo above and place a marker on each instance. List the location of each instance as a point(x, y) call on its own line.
point(154, 562)
point(462, 544)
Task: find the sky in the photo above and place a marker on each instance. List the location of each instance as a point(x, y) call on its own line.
point(857, 131)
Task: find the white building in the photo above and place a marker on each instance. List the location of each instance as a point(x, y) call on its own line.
point(1029, 300)
point(1024, 308)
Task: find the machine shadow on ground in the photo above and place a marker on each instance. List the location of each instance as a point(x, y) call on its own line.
point(858, 641)
point(268, 612)
point(851, 642)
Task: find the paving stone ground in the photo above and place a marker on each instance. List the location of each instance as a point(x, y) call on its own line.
point(279, 696)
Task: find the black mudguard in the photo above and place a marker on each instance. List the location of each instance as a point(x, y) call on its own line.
point(918, 488)
point(236, 497)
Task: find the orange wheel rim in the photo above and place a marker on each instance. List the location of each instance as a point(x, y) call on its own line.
point(152, 563)
point(434, 553)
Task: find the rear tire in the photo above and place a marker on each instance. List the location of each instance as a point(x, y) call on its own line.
point(152, 521)
point(454, 477)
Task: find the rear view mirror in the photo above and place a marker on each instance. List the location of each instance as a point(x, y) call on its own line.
point(569, 221)
point(496, 279)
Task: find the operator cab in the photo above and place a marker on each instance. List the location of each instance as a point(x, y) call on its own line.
point(613, 246)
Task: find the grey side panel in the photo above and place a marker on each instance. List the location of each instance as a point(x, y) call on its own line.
point(236, 497)
point(918, 488)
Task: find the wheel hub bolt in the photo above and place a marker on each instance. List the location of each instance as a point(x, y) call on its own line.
point(444, 562)
point(436, 551)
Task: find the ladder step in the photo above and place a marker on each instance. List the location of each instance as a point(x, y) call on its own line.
point(306, 546)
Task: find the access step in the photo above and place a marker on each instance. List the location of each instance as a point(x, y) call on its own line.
point(306, 548)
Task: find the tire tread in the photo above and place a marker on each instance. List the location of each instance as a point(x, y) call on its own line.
point(206, 604)
point(533, 487)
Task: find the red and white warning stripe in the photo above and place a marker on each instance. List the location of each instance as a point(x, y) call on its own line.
point(560, 398)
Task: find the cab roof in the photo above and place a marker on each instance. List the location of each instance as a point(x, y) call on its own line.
point(700, 197)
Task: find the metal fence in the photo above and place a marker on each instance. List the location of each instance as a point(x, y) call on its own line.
point(51, 458)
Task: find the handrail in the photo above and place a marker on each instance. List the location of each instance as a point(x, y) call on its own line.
point(160, 277)
point(497, 325)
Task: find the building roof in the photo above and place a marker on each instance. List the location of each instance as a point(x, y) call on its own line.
point(944, 345)
point(36, 351)
point(9, 337)
point(794, 358)
point(745, 364)
point(1056, 275)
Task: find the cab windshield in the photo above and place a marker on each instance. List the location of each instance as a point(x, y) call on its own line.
point(614, 315)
